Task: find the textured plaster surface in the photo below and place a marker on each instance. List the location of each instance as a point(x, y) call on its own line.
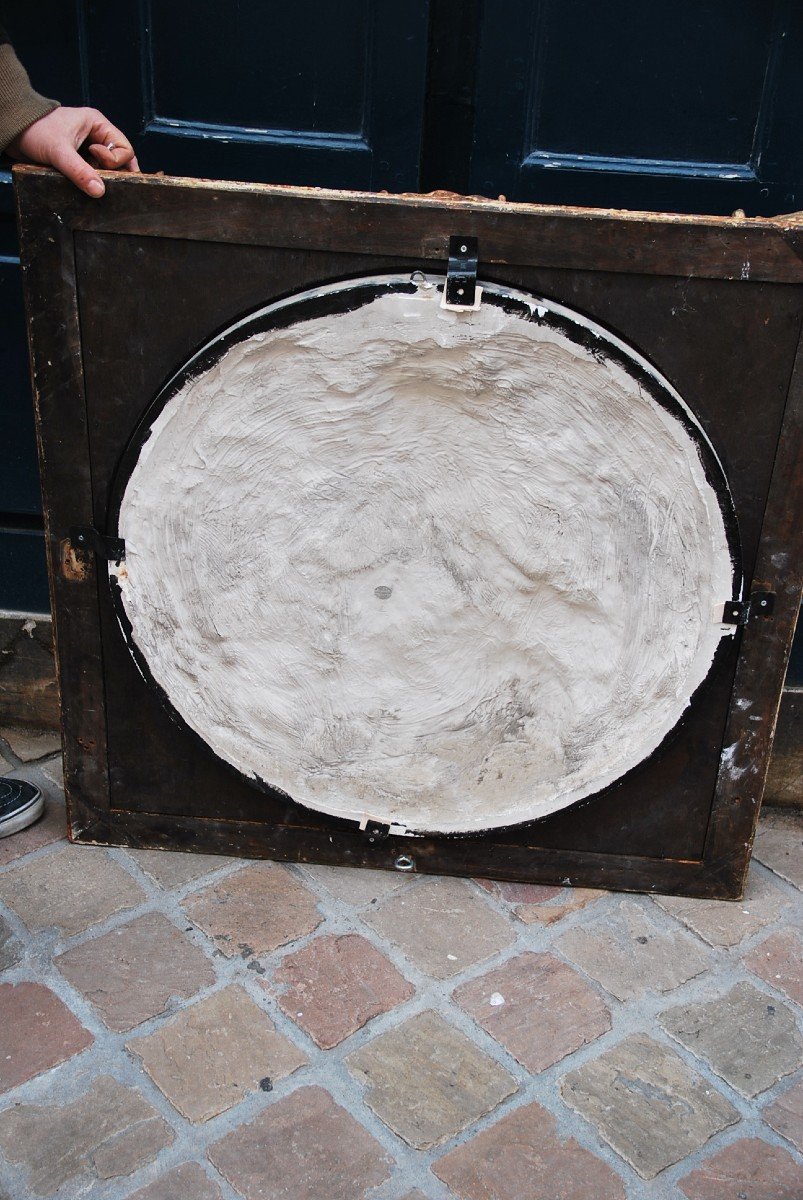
point(444, 570)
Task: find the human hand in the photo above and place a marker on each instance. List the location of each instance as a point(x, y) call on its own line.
point(55, 139)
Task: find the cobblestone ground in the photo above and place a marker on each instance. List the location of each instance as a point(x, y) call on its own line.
point(181, 1027)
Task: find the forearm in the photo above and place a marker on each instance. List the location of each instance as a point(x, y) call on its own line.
point(20, 105)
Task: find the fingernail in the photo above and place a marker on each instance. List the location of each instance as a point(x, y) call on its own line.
point(95, 187)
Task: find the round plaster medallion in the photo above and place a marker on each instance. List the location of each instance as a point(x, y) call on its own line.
point(448, 571)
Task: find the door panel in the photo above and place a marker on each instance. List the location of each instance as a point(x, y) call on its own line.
point(22, 569)
point(248, 75)
point(646, 108)
point(309, 93)
point(668, 105)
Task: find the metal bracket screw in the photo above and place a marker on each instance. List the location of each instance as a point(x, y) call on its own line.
point(86, 537)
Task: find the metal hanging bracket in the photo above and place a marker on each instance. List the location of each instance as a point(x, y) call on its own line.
point(760, 604)
point(86, 537)
point(460, 292)
point(376, 831)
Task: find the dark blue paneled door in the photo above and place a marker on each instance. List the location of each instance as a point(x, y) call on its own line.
point(680, 105)
point(309, 93)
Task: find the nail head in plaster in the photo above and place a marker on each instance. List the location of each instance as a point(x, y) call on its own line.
point(544, 527)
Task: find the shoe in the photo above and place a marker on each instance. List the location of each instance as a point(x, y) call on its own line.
point(20, 805)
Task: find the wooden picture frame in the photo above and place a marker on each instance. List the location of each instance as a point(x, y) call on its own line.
point(119, 292)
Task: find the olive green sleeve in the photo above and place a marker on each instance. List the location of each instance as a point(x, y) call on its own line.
point(20, 105)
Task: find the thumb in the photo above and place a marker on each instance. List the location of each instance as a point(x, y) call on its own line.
point(77, 170)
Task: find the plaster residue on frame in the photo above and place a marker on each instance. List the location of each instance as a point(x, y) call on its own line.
point(449, 571)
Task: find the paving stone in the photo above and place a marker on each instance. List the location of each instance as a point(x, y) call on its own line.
point(519, 893)
point(51, 827)
point(29, 744)
point(747, 1036)
point(540, 903)
point(749, 1169)
point(54, 770)
point(414, 1195)
point(785, 1115)
point(335, 985)
point(215, 1053)
point(254, 911)
point(10, 947)
point(647, 1104)
point(441, 926)
point(427, 1081)
point(537, 1007)
point(629, 954)
point(9, 631)
point(130, 973)
point(69, 890)
point(304, 1147)
point(187, 1182)
point(28, 688)
point(353, 885)
point(108, 1132)
point(39, 630)
point(724, 922)
point(779, 960)
point(569, 900)
point(172, 869)
point(522, 1157)
point(779, 844)
point(20, 628)
point(37, 1031)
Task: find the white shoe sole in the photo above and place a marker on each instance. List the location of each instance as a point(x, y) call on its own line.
point(25, 817)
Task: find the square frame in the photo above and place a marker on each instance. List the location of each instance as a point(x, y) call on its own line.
point(744, 277)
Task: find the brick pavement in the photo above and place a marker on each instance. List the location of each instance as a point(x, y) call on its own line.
point(179, 1027)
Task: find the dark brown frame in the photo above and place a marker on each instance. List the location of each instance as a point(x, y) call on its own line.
point(367, 233)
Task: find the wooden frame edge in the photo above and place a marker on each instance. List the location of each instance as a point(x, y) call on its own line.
point(735, 248)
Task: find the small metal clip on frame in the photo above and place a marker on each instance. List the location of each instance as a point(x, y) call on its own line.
point(460, 290)
point(761, 603)
point(376, 831)
point(86, 537)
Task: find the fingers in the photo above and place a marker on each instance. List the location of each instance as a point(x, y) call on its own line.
point(108, 145)
point(111, 157)
point(67, 160)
